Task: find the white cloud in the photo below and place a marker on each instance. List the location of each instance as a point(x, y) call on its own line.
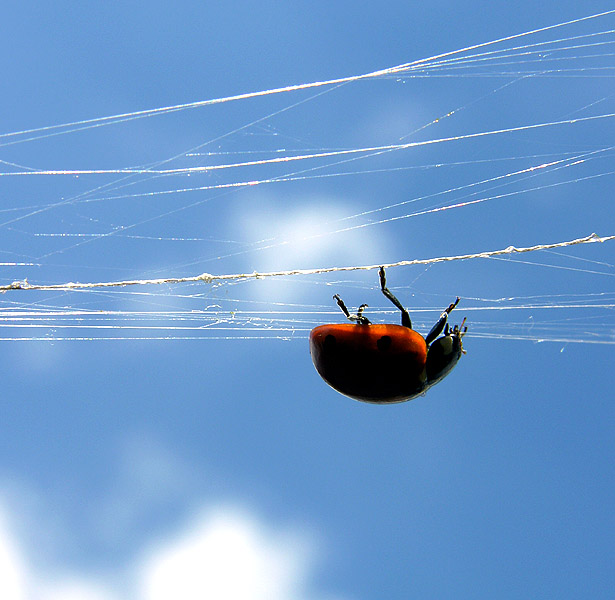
point(12, 570)
point(314, 232)
point(224, 551)
point(72, 588)
point(224, 554)
point(227, 555)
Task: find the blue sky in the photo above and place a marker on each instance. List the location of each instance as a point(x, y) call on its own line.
point(180, 443)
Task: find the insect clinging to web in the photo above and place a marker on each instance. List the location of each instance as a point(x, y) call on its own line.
point(385, 363)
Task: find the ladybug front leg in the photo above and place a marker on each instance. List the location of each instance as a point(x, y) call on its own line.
point(436, 330)
point(359, 318)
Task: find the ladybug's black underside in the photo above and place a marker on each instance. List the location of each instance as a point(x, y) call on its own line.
point(394, 368)
point(379, 373)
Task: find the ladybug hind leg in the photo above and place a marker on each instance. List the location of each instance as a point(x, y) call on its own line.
point(405, 317)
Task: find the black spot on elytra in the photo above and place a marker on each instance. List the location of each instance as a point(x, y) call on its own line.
point(329, 342)
point(384, 343)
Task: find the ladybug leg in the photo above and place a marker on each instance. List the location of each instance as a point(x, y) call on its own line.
point(437, 329)
point(359, 318)
point(405, 317)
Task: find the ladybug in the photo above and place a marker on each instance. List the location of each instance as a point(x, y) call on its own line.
point(383, 364)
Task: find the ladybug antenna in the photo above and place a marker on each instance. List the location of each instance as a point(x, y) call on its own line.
point(405, 317)
point(463, 330)
point(359, 318)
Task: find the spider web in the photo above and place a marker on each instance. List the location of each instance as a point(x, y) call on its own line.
point(435, 167)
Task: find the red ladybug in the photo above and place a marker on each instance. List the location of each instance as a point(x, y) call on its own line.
point(384, 363)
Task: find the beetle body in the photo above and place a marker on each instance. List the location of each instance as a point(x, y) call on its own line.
point(372, 363)
point(384, 364)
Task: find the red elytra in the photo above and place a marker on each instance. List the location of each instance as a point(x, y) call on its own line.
point(370, 362)
point(384, 363)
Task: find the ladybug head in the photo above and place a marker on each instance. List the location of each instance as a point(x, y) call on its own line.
point(444, 353)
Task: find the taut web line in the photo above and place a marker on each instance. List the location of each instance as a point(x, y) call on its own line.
point(209, 278)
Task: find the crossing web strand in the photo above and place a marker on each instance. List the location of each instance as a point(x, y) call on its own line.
point(222, 237)
point(437, 59)
point(286, 159)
